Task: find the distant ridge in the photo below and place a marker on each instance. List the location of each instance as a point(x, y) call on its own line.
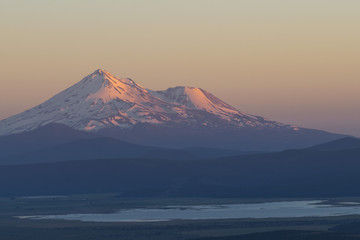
point(57, 143)
point(49, 135)
point(339, 144)
point(295, 174)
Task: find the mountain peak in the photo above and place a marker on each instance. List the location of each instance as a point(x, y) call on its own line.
point(108, 79)
point(101, 72)
point(195, 98)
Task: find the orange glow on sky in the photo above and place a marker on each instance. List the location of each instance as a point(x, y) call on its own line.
point(292, 61)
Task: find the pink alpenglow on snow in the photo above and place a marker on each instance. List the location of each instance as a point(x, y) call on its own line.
point(101, 100)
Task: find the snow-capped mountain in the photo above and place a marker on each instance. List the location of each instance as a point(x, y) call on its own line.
point(178, 117)
point(101, 100)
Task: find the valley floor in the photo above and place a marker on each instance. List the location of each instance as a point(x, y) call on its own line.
point(12, 228)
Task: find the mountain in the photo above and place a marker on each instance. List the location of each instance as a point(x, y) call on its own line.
point(177, 117)
point(101, 100)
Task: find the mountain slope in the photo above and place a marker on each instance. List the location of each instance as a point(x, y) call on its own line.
point(57, 142)
point(95, 148)
point(50, 135)
point(101, 100)
point(339, 144)
point(107, 148)
point(178, 117)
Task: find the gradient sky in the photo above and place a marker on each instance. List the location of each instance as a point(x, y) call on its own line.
point(294, 61)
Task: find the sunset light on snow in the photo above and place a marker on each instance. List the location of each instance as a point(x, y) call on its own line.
point(180, 119)
point(291, 61)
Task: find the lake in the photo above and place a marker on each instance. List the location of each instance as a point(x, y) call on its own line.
point(287, 209)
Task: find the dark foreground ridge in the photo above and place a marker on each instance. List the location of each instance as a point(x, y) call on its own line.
point(292, 173)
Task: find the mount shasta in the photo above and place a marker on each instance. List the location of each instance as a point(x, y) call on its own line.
point(176, 117)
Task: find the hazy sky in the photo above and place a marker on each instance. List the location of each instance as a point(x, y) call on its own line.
point(294, 61)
